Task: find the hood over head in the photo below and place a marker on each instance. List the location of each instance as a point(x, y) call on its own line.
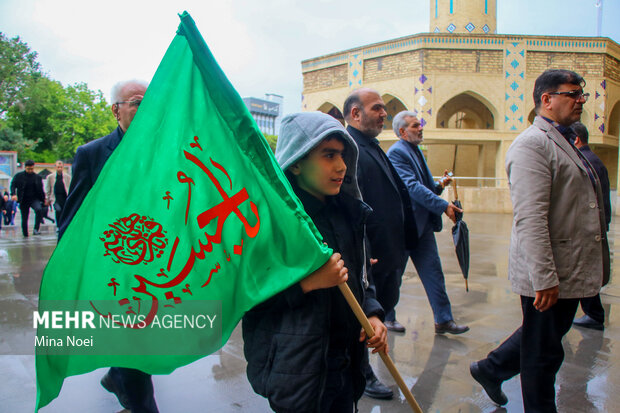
point(301, 132)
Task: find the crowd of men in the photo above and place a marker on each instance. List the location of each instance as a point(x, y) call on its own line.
point(559, 255)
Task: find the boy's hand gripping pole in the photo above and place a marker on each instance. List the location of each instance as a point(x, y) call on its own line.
point(361, 317)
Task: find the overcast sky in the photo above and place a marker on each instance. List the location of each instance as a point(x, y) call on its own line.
point(258, 43)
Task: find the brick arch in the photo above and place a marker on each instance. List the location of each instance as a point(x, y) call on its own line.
point(613, 125)
point(467, 110)
point(393, 106)
point(332, 110)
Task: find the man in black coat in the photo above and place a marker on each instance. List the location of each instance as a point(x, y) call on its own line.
point(594, 317)
point(27, 189)
point(390, 221)
point(133, 388)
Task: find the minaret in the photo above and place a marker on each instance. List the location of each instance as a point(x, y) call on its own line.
point(463, 16)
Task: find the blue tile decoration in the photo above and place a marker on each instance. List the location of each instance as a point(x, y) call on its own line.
point(514, 63)
point(486, 28)
point(600, 105)
point(356, 69)
point(423, 89)
point(436, 29)
point(451, 28)
point(470, 27)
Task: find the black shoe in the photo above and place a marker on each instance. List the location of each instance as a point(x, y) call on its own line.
point(492, 388)
point(450, 327)
point(588, 322)
point(36, 232)
point(109, 385)
point(377, 390)
point(394, 326)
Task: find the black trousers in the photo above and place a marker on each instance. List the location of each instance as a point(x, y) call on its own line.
point(388, 279)
point(593, 308)
point(24, 208)
point(58, 207)
point(535, 351)
point(137, 386)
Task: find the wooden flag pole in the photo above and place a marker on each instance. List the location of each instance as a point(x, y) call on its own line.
point(359, 313)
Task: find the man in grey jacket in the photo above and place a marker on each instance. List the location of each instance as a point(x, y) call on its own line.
point(558, 246)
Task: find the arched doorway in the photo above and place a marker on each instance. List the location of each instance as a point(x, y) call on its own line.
point(466, 111)
point(393, 106)
point(613, 126)
point(332, 110)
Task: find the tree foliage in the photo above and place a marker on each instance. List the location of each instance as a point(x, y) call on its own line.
point(39, 118)
point(17, 65)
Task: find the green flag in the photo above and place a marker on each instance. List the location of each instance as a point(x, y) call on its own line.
point(190, 224)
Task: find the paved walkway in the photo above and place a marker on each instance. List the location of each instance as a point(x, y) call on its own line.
point(435, 367)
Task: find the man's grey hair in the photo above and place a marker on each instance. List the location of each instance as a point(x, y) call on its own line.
point(400, 120)
point(117, 88)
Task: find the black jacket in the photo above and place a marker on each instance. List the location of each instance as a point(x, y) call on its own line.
point(286, 338)
point(18, 185)
point(87, 164)
point(391, 227)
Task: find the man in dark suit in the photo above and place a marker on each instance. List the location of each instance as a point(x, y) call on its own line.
point(27, 189)
point(594, 317)
point(389, 222)
point(133, 388)
point(428, 207)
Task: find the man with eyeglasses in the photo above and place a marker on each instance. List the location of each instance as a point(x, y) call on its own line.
point(133, 388)
point(558, 248)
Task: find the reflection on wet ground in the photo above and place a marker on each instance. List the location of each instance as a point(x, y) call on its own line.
point(436, 368)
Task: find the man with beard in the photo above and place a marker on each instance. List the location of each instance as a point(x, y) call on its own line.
point(391, 219)
point(428, 208)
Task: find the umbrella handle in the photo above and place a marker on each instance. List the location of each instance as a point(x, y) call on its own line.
point(456, 194)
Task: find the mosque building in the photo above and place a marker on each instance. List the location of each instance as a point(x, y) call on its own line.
point(472, 90)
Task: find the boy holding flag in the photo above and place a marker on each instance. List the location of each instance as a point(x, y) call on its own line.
point(304, 345)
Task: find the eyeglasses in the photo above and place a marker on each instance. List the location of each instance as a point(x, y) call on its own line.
point(134, 103)
point(575, 94)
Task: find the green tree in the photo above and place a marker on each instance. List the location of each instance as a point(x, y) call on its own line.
point(272, 140)
point(17, 66)
point(39, 118)
point(84, 115)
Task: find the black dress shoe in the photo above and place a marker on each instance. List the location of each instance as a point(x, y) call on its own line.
point(377, 390)
point(588, 322)
point(394, 326)
point(492, 388)
point(109, 385)
point(450, 327)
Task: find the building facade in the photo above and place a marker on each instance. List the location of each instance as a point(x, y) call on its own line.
point(266, 112)
point(472, 90)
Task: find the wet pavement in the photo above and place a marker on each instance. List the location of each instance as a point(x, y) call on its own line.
point(435, 367)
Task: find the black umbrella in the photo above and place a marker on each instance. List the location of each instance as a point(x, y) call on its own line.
point(460, 234)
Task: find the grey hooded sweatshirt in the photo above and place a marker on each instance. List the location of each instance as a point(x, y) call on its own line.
point(301, 132)
point(287, 338)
